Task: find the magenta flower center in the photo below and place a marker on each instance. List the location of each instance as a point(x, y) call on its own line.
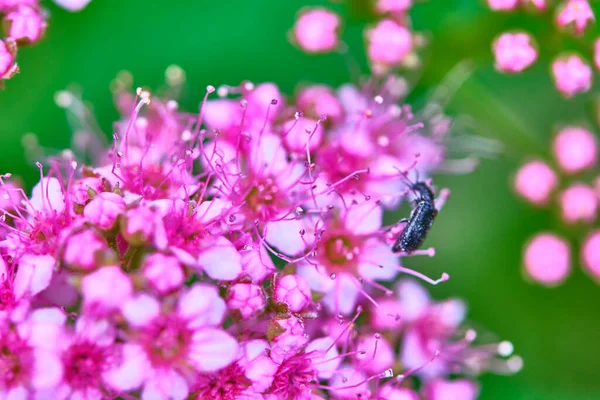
point(167, 341)
point(293, 378)
point(228, 384)
point(340, 250)
point(16, 361)
point(84, 363)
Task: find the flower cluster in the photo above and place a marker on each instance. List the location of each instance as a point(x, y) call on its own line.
point(547, 257)
point(514, 51)
point(24, 23)
point(390, 43)
point(233, 253)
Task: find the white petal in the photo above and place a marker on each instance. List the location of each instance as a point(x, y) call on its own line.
point(140, 310)
point(221, 260)
point(212, 349)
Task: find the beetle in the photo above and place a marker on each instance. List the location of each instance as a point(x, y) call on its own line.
point(420, 221)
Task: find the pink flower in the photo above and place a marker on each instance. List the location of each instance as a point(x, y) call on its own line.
point(503, 5)
point(316, 30)
point(246, 298)
point(169, 347)
point(29, 361)
point(104, 209)
point(535, 181)
point(514, 52)
point(575, 13)
point(547, 259)
point(579, 204)
point(388, 43)
point(25, 25)
point(571, 75)
point(575, 149)
point(590, 254)
point(8, 52)
point(293, 291)
point(287, 337)
point(138, 225)
point(88, 354)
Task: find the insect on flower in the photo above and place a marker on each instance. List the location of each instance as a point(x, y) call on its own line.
point(421, 219)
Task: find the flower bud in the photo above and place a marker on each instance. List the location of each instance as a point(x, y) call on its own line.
point(293, 290)
point(246, 298)
point(104, 210)
point(163, 272)
point(84, 250)
point(316, 30)
point(25, 25)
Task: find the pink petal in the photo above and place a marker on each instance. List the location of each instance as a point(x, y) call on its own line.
point(377, 261)
point(72, 5)
point(285, 236)
point(342, 298)
point(140, 310)
point(202, 305)
point(47, 371)
point(34, 274)
point(221, 260)
point(48, 199)
point(324, 350)
point(212, 349)
point(108, 287)
point(132, 371)
point(364, 218)
point(413, 299)
point(165, 385)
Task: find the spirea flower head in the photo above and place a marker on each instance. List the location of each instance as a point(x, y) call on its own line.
point(229, 253)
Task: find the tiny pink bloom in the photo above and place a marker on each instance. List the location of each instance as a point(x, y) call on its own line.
point(547, 259)
point(460, 389)
point(575, 13)
point(392, 6)
point(104, 209)
point(575, 149)
point(514, 51)
point(29, 360)
point(25, 25)
point(73, 5)
point(571, 75)
point(535, 181)
point(293, 291)
point(164, 273)
point(172, 346)
point(246, 298)
point(502, 5)
point(94, 244)
point(579, 204)
point(316, 30)
point(318, 100)
point(7, 58)
point(388, 43)
point(105, 290)
point(538, 4)
point(590, 254)
point(88, 354)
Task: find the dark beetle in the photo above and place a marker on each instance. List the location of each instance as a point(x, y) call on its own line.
point(420, 222)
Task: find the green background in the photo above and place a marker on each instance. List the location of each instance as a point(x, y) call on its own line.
point(478, 236)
